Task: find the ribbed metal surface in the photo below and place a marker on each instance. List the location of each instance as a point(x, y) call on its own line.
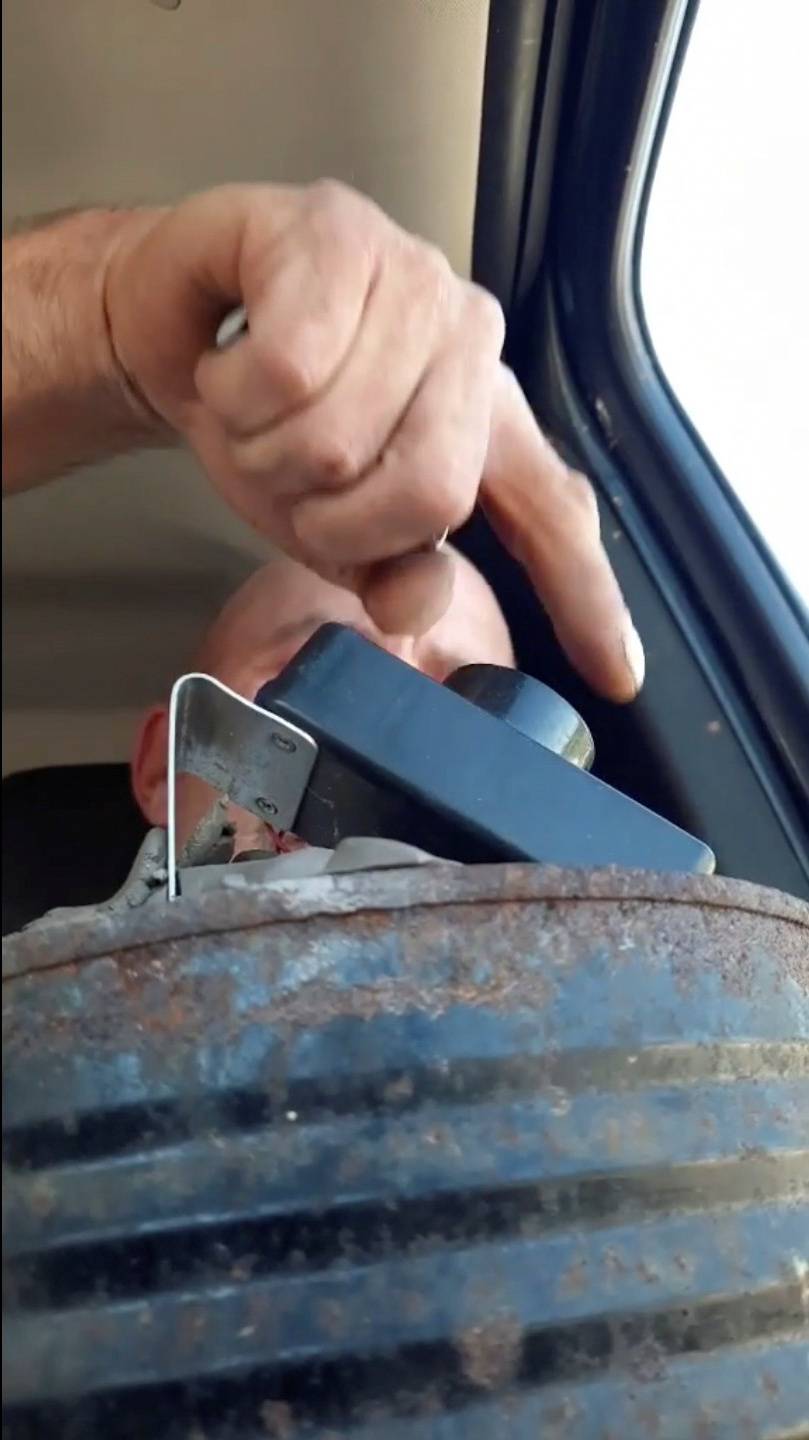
point(487, 1152)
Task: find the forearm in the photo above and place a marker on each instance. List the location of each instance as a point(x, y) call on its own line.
point(66, 401)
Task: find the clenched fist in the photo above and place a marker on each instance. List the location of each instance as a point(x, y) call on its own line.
point(365, 411)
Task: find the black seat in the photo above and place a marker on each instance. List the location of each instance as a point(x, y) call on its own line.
point(70, 833)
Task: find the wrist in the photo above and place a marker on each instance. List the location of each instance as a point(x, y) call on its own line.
point(66, 401)
point(124, 238)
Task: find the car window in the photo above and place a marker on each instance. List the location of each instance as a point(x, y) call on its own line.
point(724, 273)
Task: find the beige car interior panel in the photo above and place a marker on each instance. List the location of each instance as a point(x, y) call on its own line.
point(109, 578)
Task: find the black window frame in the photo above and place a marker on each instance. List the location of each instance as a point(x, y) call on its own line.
point(701, 581)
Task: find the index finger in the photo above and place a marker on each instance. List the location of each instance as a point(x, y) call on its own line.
point(546, 516)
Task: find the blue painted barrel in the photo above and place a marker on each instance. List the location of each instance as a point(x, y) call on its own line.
point(443, 1152)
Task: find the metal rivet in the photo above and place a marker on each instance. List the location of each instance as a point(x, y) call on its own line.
point(281, 742)
point(267, 806)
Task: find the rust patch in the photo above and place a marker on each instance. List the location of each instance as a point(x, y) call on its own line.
point(560, 1418)
point(351, 1166)
point(42, 1197)
point(463, 950)
point(769, 1383)
point(573, 1280)
point(647, 1273)
point(614, 1264)
point(242, 1269)
point(331, 1318)
point(707, 1424)
point(399, 1091)
point(490, 1354)
point(647, 1361)
point(192, 1326)
point(377, 894)
point(649, 1419)
point(414, 1306)
point(277, 1419)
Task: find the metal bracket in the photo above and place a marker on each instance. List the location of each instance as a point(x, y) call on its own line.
point(256, 758)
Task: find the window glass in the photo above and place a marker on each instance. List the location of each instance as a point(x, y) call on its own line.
point(725, 259)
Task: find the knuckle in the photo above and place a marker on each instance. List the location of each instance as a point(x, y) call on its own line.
point(347, 223)
point(430, 275)
point(308, 531)
point(340, 208)
point(329, 194)
point(332, 456)
point(581, 499)
point(461, 511)
point(436, 264)
point(250, 454)
point(488, 314)
point(290, 376)
point(447, 498)
point(319, 539)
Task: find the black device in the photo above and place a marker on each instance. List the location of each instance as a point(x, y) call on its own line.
point(489, 766)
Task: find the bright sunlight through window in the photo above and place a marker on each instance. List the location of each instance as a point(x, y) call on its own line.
point(725, 260)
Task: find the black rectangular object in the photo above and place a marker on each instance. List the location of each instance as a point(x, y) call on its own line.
point(402, 756)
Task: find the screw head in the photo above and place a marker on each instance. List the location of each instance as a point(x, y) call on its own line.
point(267, 807)
point(282, 742)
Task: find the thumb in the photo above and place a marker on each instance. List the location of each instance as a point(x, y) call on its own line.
point(408, 595)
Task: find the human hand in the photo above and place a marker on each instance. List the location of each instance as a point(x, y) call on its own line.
point(365, 412)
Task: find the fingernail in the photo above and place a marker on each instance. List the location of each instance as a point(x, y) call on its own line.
point(634, 655)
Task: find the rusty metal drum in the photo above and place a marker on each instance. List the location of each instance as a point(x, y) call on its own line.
point(498, 1151)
